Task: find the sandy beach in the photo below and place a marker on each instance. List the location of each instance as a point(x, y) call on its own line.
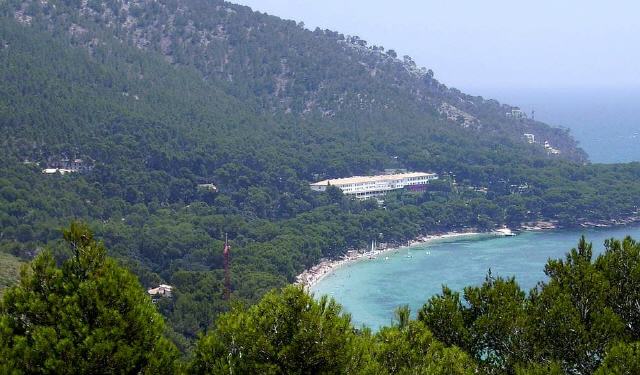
point(312, 276)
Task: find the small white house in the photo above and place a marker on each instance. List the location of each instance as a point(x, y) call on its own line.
point(163, 290)
point(530, 138)
point(62, 171)
point(516, 114)
point(208, 187)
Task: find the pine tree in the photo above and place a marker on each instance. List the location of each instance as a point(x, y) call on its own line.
point(89, 316)
point(288, 332)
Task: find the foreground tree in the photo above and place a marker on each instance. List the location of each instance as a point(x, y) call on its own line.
point(622, 359)
point(490, 326)
point(89, 316)
point(620, 264)
point(287, 332)
point(408, 347)
point(571, 319)
point(566, 324)
point(552, 368)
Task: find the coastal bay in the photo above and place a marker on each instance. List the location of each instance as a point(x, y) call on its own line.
point(309, 278)
point(370, 289)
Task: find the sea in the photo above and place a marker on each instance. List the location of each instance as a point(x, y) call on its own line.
point(371, 289)
point(606, 124)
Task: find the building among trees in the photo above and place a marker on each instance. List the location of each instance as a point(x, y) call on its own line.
point(163, 290)
point(364, 187)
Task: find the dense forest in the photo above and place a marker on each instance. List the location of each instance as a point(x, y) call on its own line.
point(161, 98)
point(90, 315)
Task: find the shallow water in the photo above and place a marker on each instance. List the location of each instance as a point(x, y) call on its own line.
point(371, 289)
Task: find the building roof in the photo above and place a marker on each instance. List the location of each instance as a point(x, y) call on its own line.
point(161, 289)
point(208, 187)
point(378, 178)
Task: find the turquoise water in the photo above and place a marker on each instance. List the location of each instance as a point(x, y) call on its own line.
point(371, 289)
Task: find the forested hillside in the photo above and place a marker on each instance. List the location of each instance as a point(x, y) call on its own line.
point(9, 271)
point(160, 97)
point(279, 66)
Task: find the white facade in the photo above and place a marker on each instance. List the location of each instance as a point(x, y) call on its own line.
point(363, 187)
point(516, 114)
point(550, 150)
point(57, 170)
point(530, 138)
point(163, 290)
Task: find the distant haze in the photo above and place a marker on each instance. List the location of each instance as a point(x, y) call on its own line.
point(483, 47)
point(575, 62)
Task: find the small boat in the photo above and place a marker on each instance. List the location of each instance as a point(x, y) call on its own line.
point(505, 232)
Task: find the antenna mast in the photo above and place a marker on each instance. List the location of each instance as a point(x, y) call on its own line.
point(227, 279)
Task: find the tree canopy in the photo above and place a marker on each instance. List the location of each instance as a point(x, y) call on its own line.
point(87, 316)
point(255, 108)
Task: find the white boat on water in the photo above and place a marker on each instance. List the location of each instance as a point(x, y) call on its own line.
point(505, 232)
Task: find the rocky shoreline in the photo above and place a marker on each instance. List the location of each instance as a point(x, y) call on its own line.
point(582, 223)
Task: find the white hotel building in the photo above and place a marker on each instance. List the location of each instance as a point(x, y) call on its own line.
point(363, 187)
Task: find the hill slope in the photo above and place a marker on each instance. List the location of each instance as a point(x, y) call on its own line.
point(160, 97)
point(280, 66)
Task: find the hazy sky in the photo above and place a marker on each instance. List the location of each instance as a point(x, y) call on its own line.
point(486, 46)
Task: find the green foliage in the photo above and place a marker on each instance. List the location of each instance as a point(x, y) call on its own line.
point(497, 322)
point(9, 271)
point(576, 300)
point(621, 267)
point(91, 316)
point(286, 333)
point(491, 324)
point(410, 348)
point(444, 315)
point(565, 325)
point(621, 359)
point(88, 316)
point(541, 369)
point(260, 107)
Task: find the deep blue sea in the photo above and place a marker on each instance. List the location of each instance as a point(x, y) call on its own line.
point(606, 122)
point(607, 125)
